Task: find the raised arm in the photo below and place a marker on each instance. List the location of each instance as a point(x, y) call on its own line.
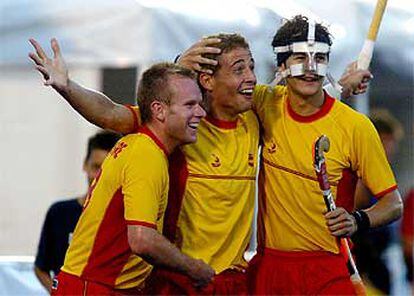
point(94, 106)
point(158, 251)
point(354, 81)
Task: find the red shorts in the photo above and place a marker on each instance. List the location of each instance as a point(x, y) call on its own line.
point(228, 282)
point(299, 273)
point(68, 284)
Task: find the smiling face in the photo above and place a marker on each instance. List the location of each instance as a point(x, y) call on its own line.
point(230, 88)
point(310, 83)
point(184, 112)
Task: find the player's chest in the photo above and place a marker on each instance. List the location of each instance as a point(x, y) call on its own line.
point(232, 152)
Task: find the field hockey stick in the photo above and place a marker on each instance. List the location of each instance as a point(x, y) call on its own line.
point(365, 55)
point(321, 146)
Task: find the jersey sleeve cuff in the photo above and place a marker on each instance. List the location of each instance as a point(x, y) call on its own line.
point(141, 223)
point(384, 192)
point(134, 115)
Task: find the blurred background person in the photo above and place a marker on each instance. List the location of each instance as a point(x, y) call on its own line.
point(371, 246)
point(407, 236)
point(62, 216)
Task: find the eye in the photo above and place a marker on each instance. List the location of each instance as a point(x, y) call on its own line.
point(299, 57)
point(321, 58)
point(239, 69)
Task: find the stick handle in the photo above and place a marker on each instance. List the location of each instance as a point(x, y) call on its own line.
point(365, 55)
point(376, 20)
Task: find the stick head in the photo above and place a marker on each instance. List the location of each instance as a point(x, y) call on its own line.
point(322, 145)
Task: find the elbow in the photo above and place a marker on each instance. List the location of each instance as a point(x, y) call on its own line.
point(397, 206)
point(140, 240)
point(399, 209)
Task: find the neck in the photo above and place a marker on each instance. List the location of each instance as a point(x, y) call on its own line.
point(220, 112)
point(305, 105)
point(169, 143)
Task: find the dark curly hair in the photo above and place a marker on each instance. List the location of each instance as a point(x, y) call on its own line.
point(294, 30)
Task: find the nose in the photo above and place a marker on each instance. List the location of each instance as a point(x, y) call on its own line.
point(200, 112)
point(251, 76)
point(310, 63)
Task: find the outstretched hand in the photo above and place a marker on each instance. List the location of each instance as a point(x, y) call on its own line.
point(53, 70)
point(354, 81)
point(193, 58)
point(341, 223)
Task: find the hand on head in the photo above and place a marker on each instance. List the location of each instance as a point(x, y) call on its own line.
point(193, 58)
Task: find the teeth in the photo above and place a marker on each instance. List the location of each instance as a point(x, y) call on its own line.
point(193, 125)
point(247, 91)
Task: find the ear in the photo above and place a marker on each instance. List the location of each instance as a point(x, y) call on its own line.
point(158, 110)
point(206, 81)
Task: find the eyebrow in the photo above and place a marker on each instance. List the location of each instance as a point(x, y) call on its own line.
point(237, 61)
point(241, 60)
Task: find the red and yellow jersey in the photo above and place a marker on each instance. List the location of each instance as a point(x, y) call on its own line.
point(131, 189)
point(291, 203)
point(214, 223)
point(212, 187)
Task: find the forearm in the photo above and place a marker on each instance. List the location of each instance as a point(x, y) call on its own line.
point(44, 278)
point(97, 108)
point(160, 252)
point(388, 209)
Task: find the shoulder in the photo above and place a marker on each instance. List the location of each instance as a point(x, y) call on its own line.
point(137, 145)
point(63, 206)
point(265, 95)
point(266, 90)
point(351, 116)
point(145, 151)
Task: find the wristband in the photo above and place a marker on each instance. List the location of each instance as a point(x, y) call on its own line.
point(362, 221)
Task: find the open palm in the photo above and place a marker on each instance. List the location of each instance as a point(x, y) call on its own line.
point(53, 70)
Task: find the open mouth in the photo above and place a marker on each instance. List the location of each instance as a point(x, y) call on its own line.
point(193, 125)
point(247, 92)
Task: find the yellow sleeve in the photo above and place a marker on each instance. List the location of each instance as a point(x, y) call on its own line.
point(145, 180)
point(136, 115)
point(369, 160)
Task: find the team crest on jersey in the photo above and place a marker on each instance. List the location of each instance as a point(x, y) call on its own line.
point(216, 161)
point(251, 160)
point(118, 149)
point(272, 148)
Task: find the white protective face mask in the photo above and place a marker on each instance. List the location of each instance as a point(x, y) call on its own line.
point(310, 48)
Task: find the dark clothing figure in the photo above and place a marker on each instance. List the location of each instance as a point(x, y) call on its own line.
point(60, 222)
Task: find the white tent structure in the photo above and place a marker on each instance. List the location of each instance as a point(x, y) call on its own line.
point(43, 140)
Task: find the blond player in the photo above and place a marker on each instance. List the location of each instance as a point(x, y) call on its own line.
point(119, 229)
point(212, 181)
